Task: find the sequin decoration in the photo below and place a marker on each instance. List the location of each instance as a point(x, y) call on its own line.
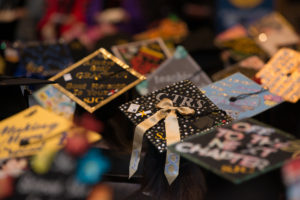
point(183, 93)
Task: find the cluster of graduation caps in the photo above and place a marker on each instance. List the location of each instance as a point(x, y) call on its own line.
point(218, 135)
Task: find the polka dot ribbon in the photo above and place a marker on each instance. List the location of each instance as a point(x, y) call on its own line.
point(168, 112)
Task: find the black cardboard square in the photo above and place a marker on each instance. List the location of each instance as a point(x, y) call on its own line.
point(43, 60)
point(184, 93)
point(239, 151)
point(180, 67)
point(96, 80)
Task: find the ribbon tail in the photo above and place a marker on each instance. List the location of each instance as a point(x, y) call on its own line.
point(136, 150)
point(139, 132)
point(172, 166)
point(172, 128)
point(172, 136)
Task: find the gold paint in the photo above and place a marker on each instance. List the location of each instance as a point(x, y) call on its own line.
point(159, 136)
point(93, 68)
point(97, 92)
point(91, 100)
point(143, 113)
point(236, 169)
point(108, 56)
point(77, 92)
point(31, 67)
point(81, 86)
point(99, 64)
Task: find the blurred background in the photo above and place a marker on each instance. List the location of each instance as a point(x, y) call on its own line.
point(103, 23)
point(28, 20)
point(86, 25)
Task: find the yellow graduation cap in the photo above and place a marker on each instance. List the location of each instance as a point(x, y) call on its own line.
point(33, 130)
point(282, 74)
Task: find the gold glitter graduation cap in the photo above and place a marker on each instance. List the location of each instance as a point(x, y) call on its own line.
point(282, 74)
point(96, 80)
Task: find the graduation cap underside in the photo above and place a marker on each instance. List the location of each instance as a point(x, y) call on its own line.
point(13, 99)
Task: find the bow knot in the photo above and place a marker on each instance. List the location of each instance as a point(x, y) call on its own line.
point(166, 106)
point(168, 112)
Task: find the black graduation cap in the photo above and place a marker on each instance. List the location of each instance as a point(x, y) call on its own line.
point(239, 151)
point(43, 60)
point(168, 115)
point(207, 115)
point(77, 50)
point(13, 98)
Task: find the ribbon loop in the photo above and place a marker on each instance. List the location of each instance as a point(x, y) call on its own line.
point(186, 111)
point(167, 104)
point(168, 112)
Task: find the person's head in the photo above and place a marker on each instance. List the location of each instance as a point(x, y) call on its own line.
point(190, 183)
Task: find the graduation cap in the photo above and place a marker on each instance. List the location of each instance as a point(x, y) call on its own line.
point(169, 29)
point(96, 80)
point(272, 32)
point(14, 99)
point(36, 129)
point(180, 67)
point(43, 60)
point(242, 47)
point(169, 115)
point(240, 97)
point(143, 56)
point(281, 75)
point(238, 151)
point(52, 99)
point(248, 67)
point(26, 132)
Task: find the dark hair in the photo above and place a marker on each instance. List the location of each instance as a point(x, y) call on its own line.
point(190, 183)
